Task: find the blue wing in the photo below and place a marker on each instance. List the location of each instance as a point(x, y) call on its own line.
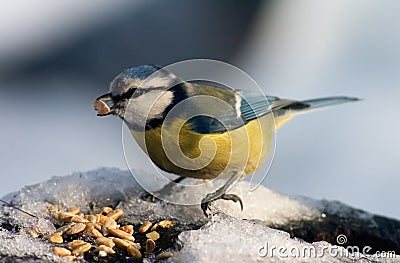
point(252, 106)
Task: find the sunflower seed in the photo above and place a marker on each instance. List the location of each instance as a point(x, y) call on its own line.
point(105, 210)
point(56, 238)
point(74, 210)
point(61, 230)
point(145, 226)
point(150, 245)
point(109, 223)
point(81, 249)
point(91, 218)
point(79, 219)
point(75, 229)
point(120, 234)
point(121, 243)
point(115, 214)
point(102, 254)
point(101, 219)
point(75, 243)
point(62, 252)
point(105, 241)
point(101, 107)
point(163, 224)
point(128, 229)
point(96, 233)
point(153, 235)
point(65, 217)
point(134, 252)
point(105, 248)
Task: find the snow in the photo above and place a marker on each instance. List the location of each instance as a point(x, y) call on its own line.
point(225, 236)
point(103, 186)
point(236, 240)
point(25, 248)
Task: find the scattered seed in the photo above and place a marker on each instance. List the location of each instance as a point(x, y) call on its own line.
point(65, 216)
point(56, 238)
point(104, 223)
point(150, 245)
point(101, 107)
point(163, 224)
point(61, 230)
point(136, 245)
point(74, 244)
point(121, 243)
point(134, 252)
point(81, 249)
point(79, 219)
point(105, 248)
point(153, 235)
point(102, 254)
point(105, 210)
point(96, 233)
point(75, 229)
point(102, 219)
point(115, 214)
point(62, 252)
point(124, 244)
point(105, 241)
point(164, 255)
point(89, 226)
point(145, 226)
point(75, 210)
point(109, 223)
point(120, 234)
point(128, 229)
point(91, 218)
point(98, 226)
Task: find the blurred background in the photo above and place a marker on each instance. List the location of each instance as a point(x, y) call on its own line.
point(57, 57)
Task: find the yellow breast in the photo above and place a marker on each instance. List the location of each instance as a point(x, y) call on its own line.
point(207, 156)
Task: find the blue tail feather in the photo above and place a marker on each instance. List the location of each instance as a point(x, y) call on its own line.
point(324, 102)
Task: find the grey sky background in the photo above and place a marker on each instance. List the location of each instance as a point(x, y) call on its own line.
point(296, 50)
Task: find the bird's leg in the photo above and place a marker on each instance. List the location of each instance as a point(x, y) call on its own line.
point(221, 194)
point(165, 190)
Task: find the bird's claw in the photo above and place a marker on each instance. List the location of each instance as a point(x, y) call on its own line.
point(149, 197)
point(210, 198)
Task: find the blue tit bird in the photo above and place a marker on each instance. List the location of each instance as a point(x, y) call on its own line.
point(228, 139)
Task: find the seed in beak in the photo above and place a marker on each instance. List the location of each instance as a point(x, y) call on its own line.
point(101, 107)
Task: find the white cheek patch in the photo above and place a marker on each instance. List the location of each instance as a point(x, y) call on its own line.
point(148, 106)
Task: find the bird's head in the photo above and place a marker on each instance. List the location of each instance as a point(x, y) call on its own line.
point(139, 95)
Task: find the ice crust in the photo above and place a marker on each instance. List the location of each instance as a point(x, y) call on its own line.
point(235, 240)
point(226, 237)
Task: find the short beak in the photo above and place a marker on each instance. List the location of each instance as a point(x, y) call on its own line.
point(102, 108)
point(107, 96)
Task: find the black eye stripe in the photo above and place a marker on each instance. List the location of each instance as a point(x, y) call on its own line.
point(131, 93)
point(126, 96)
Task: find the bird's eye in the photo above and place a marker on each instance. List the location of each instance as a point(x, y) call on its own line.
point(126, 96)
